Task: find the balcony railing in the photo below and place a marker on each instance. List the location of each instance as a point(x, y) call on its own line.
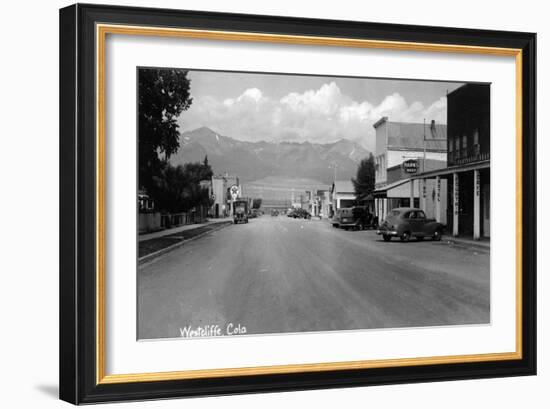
point(467, 155)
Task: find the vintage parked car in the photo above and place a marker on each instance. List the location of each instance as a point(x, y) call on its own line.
point(299, 214)
point(407, 222)
point(356, 218)
point(336, 218)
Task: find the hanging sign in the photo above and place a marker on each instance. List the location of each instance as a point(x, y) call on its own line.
point(235, 191)
point(410, 166)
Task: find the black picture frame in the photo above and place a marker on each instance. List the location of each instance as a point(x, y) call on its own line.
point(78, 235)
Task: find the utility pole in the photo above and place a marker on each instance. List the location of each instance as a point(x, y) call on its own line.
point(424, 157)
point(432, 127)
point(334, 166)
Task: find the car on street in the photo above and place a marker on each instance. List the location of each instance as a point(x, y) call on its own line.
point(274, 213)
point(356, 218)
point(299, 214)
point(345, 218)
point(407, 222)
point(336, 218)
point(240, 211)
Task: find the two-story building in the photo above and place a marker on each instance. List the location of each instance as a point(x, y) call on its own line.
point(403, 150)
point(468, 170)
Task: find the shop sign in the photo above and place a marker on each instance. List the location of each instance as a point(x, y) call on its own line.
point(235, 191)
point(410, 166)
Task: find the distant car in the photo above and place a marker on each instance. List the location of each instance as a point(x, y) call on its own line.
point(407, 222)
point(299, 214)
point(256, 213)
point(274, 213)
point(240, 211)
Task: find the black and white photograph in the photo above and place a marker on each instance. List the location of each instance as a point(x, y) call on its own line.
point(274, 203)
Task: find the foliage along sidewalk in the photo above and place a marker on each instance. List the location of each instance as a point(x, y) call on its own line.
point(149, 249)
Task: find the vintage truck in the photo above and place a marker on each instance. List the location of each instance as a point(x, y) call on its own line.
point(240, 211)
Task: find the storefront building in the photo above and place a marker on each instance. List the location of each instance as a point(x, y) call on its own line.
point(404, 150)
point(468, 171)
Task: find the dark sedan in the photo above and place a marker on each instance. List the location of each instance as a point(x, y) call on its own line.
point(407, 222)
point(356, 218)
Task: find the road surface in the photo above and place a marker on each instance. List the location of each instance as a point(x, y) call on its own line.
point(277, 274)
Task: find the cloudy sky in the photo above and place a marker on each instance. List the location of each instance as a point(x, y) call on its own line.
point(254, 107)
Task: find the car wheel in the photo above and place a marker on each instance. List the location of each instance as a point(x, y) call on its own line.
point(386, 237)
point(437, 235)
point(405, 236)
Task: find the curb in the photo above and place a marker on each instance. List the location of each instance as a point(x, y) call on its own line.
point(458, 243)
point(158, 253)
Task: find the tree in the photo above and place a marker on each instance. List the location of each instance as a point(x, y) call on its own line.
point(177, 188)
point(167, 188)
point(163, 95)
point(364, 182)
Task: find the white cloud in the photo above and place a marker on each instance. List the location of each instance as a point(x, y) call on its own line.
point(321, 115)
point(326, 100)
point(250, 96)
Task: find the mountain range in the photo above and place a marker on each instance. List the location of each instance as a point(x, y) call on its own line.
point(252, 161)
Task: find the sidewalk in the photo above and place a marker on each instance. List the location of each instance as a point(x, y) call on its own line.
point(482, 244)
point(179, 229)
point(156, 244)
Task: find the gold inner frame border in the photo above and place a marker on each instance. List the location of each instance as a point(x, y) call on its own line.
point(102, 30)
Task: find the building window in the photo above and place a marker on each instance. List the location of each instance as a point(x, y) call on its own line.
point(477, 149)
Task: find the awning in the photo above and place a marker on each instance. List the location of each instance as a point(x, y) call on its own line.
point(398, 189)
point(454, 169)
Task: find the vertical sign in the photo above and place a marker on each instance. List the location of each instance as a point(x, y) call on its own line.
point(477, 215)
point(424, 194)
point(456, 206)
point(423, 188)
point(438, 199)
